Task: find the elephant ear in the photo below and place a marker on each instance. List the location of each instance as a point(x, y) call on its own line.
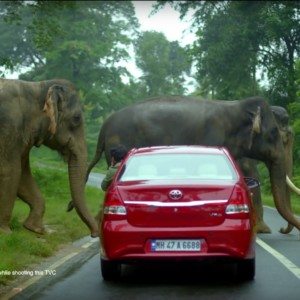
point(53, 105)
point(257, 121)
point(256, 124)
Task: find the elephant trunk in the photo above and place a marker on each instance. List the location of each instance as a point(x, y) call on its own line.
point(278, 183)
point(77, 171)
point(288, 141)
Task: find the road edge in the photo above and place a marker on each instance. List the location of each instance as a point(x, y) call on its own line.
point(53, 269)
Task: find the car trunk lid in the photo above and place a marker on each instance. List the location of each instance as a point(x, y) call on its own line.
point(168, 204)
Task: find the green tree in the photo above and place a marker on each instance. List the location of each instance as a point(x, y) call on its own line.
point(226, 54)
point(237, 38)
point(163, 64)
point(25, 29)
point(294, 109)
point(226, 50)
point(83, 41)
point(78, 40)
point(280, 48)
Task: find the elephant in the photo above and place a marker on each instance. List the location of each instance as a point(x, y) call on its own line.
point(247, 128)
point(249, 166)
point(31, 114)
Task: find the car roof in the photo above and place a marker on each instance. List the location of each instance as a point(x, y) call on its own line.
point(179, 149)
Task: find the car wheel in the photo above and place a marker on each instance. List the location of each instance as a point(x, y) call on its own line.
point(110, 270)
point(245, 269)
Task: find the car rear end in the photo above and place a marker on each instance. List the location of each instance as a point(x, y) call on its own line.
point(177, 203)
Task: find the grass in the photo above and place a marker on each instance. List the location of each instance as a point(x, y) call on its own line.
point(43, 156)
point(22, 248)
point(268, 200)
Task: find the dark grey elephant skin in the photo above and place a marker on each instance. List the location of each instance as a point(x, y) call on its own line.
point(246, 127)
point(32, 114)
point(249, 167)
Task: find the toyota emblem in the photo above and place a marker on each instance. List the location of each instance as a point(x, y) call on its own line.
point(175, 194)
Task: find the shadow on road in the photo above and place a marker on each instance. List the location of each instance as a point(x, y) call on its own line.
point(191, 273)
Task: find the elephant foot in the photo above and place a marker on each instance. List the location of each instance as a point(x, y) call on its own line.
point(262, 227)
point(5, 229)
point(37, 229)
point(95, 234)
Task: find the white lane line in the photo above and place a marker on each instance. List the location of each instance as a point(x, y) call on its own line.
point(88, 244)
point(62, 261)
point(281, 258)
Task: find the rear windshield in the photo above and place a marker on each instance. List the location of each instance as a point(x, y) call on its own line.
point(178, 166)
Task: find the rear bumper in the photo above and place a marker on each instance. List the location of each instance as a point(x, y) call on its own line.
point(124, 242)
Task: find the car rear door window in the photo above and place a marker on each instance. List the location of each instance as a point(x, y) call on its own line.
point(179, 166)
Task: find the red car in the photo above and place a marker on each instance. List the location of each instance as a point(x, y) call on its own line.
point(178, 203)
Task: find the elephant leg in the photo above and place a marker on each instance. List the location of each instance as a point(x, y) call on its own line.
point(29, 192)
point(249, 168)
point(9, 180)
point(289, 227)
point(98, 217)
point(261, 226)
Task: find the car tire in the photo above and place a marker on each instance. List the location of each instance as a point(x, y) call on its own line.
point(245, 269)
point(111, 270)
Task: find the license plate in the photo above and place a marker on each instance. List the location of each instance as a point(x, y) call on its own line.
point(175, 245)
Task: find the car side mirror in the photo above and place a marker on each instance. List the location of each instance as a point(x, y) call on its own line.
point(251, 182)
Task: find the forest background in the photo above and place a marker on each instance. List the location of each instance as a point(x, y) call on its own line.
point(242, 49)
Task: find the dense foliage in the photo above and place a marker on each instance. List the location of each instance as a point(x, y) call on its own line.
point(236, 40)
point(87, 42)
point(243, 48)
point(163, 63)
point(78, 40)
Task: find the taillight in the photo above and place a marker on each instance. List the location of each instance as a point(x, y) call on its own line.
point(238, 204)
point(113, 208)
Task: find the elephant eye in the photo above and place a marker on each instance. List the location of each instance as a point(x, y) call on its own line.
point(274, 133)
point(76, 120)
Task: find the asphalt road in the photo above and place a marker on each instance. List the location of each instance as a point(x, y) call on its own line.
point(277, 276)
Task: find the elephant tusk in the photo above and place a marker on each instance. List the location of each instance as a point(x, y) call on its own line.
point(292, 186)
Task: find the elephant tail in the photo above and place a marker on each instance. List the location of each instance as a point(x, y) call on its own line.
point(99, 150)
